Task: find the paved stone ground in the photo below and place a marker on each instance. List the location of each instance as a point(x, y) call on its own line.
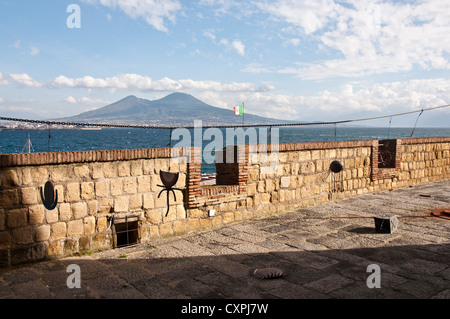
point(324, 252)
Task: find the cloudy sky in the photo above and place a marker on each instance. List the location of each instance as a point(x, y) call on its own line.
point(309, 60)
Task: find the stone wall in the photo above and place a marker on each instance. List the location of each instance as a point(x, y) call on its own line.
point(95, 186)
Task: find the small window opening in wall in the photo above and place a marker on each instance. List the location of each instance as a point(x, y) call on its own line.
point(227, 166)
point(387, 153)
point(126, 233)
point(208, 174)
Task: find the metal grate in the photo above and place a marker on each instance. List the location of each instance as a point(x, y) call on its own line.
point(126, 233)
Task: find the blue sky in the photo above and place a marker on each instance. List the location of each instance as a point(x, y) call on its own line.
point(320, 60)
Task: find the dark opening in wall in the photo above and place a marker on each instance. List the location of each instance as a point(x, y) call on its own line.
point(126, 233)
point(387, 153)
point(227, 165)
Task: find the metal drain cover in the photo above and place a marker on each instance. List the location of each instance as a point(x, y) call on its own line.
point(268, 273)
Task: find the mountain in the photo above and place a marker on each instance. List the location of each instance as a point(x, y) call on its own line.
point(174, 109)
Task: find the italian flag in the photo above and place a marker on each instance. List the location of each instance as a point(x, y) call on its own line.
point(238, 110)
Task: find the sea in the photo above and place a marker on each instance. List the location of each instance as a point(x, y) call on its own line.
point(63, 140)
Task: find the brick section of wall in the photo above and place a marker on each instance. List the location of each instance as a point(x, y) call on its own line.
point(231, 176)
point(394, 151)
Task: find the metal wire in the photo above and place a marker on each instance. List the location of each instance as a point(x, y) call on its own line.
point(215, 126)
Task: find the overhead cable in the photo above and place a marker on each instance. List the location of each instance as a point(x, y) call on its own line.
point(50, 122)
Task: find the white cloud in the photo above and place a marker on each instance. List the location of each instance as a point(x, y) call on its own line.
point(154, 12)
point(3, 81)
point(257, 68)
point(87, 101)
point(70, 99)
point(235, 45)
point(239, 47)
point(34, 51)
point(16, 108)
point(1, 100)
point(350, 101)
point(367, 37)
point(16, 44)
point(143, 83)
point(25, 80)
point(209, 35)
point(309, 15)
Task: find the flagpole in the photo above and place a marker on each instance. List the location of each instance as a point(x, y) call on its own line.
point(242, 114)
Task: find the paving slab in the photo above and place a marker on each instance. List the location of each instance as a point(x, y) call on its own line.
point(323, 251)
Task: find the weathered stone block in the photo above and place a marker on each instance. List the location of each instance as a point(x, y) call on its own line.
point(89, 225)
point(102, 188)
point(179, 226)
point(386, 223)
point(148, 202)
point(285, 181)
point(61, 173)
point(100, 241)
point(9, 197)
point(10, 178)
point(148, 167)
point(135, 202)
point(166, 230)
point(116, 187)
point(154, 216)
point(253, 174)
point(110, 169)
point(181, 212)
point(265, 198)
point(70, 246)
point(58, 230)
point(5, 240)
point(249, 202)
point(129, 185)
point(87, 190)
point(251, 189)
point(97, 170)
point(124, 169)
point(51, 216)
point(84, 243)
point(81, 171)
point(17, 217)
point(260, 186)
point(228, 218)
point(155, 180)
point(23, 235)
point(79, 210)
point(72, 193)
point(136, 168)
point(92, 207)
point(121, 203)
point(315, 155)
point(161, 164)
point(39, 175)
point(193, 224)
point(36, 214)
point(42, 233)
point(75, 228)
point(102, 223)
point(54, 248)
point(143, 184)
